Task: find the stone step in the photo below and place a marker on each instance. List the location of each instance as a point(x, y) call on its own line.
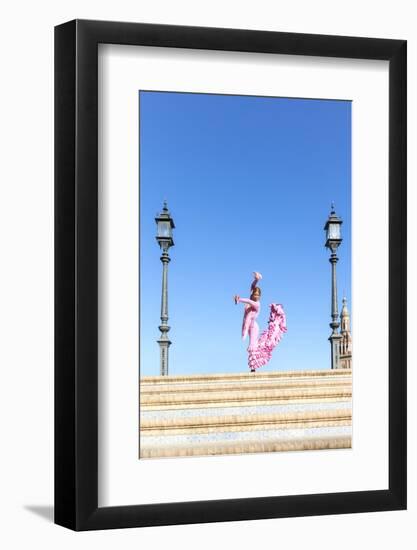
point(238, 398)
point(246, 447)
point(239, 386)
point(251, 422)
point(282, 434)
point(277, 408)
point(245, 376)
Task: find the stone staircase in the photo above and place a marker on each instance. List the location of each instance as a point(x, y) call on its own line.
point(245, 413)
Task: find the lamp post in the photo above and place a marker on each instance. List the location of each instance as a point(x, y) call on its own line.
point(333, 241)
point(165, 225)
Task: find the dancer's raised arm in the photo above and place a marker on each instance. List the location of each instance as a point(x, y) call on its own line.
point(256, 277)
point(238, 300)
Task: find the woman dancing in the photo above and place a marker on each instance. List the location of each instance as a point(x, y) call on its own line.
point(260, 349)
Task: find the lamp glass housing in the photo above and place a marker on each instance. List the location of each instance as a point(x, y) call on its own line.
point(333, 231)
point(164, 229)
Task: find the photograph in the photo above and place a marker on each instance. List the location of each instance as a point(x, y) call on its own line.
point(245, 305)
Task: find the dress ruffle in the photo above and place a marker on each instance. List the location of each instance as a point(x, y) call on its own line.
point(269, 339)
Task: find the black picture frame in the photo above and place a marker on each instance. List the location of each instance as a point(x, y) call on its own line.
point(76, 272)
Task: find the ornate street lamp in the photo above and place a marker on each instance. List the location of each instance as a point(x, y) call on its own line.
point(165, 225)
point(333, 241)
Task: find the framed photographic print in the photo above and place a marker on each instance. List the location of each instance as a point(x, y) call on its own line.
point(230, 275)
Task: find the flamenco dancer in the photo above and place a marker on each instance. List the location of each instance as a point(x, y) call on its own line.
point(260, 348)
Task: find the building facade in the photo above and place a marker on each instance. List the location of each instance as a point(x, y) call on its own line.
point(345, 342)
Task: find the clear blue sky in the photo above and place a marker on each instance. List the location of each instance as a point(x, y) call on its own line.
point(249, 182)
